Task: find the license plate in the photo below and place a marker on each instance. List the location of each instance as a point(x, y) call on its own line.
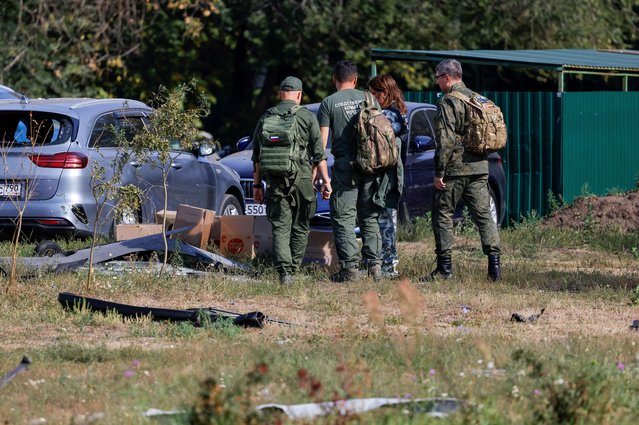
point(11, 190)
point(255, 209)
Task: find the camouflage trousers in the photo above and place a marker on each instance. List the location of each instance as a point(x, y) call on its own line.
point(388, 228)
point(474, 191)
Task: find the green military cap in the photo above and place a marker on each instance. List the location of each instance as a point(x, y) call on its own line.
point(291, 84)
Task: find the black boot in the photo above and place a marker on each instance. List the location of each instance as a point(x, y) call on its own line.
point(494, 267)
point(444, 269)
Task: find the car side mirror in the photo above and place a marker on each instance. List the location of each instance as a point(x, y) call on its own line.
point(423, 143)
point(243, 143)
point(205, 149)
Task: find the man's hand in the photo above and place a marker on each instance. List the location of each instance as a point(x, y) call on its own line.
point(326, 191)
point(439, 184)
point(258, 195)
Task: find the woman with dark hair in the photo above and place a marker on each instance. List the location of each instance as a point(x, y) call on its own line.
point(390, 98)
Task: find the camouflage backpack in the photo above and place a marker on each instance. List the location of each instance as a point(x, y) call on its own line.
point(375, 144)
point(278, 147)
point(485, 126)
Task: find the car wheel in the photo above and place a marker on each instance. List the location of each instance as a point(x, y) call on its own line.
point(231, 206)
point(47, 249)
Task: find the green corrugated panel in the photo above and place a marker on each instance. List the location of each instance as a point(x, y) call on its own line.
point(600, 142)
point(531, 159)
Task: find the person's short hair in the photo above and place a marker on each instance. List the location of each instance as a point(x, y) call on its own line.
point(450, 67)
point(345, 71)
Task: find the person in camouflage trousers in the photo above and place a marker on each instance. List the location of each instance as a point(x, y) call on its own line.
point(390, 98)
point(290, 200)
point(459, 174)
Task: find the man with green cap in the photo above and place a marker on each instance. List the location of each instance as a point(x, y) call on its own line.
point(287, 145)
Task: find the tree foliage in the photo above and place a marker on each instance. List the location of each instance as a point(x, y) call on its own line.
point(239, 50)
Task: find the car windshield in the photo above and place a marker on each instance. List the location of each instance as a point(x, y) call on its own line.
point(34, 128)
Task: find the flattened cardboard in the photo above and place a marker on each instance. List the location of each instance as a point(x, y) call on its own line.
point(236, 236)
point(200, 219)
point(124, 232)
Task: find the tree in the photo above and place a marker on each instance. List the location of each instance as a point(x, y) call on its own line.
point(170, 126)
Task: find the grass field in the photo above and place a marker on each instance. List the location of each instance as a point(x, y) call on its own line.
point(578, 363)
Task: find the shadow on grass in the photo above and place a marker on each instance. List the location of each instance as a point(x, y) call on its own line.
point(576, 281)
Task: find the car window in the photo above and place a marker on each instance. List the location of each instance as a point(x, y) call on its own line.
point(34, 128)
point(107, 127)
point(420, 124)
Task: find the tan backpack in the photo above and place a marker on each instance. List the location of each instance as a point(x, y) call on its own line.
point(485, 126)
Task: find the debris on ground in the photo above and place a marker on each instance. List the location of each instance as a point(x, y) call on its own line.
point(435, 407)
point(167, 416)
point(516, 317)
point(635, 325)
point(198, 316)
point(8, 377)
point(60, 263)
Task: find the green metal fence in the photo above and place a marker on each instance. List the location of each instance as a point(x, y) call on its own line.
point(532, 157)
point(600, 138)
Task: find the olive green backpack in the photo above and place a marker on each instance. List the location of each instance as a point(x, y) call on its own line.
point(279, 154)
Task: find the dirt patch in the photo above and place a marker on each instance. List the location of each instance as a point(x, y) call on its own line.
point(621, 212)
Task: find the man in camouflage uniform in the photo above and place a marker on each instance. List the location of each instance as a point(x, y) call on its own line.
point(352, 200)
point(290, 200)
point(459, 174)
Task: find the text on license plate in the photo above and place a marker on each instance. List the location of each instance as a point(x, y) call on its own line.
point(12, 189)
point(255, 209)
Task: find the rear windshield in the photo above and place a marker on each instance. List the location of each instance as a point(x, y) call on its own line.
point(34, 128)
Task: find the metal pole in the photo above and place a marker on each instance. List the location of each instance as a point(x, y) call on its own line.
point(373, 69)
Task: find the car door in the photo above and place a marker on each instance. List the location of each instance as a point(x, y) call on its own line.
point(143, 173)
point(191, 179)
point(419, 168)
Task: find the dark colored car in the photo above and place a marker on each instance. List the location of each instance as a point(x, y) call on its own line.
point(419, 169)
point(50, 151)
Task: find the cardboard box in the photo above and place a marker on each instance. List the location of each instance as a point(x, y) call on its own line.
point(125, 232)
point(236, 236)
point(321, 249)
point(262, 236)
point(216, 229)
point(199, 219)
point(170, 218)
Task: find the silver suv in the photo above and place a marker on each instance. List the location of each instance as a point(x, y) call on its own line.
point(47, 152)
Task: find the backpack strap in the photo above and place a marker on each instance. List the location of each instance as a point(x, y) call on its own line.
point(459, 95)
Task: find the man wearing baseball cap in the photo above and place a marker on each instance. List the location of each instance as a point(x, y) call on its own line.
point(287, 145)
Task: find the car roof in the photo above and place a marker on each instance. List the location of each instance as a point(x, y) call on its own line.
point(7, 93)
point(62, 105)
point(410, 106)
